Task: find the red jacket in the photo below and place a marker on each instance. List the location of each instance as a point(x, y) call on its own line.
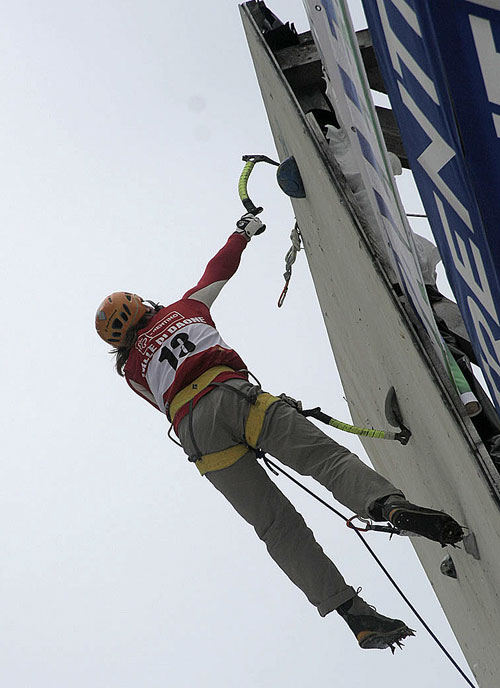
point(181, 341)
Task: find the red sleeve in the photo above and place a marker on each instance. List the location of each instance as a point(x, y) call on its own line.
point(223, 265)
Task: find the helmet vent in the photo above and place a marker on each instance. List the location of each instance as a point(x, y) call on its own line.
point(117, 314)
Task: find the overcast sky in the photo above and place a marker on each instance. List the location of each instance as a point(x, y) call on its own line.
point(124, 123)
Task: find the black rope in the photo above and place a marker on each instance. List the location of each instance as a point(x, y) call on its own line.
point(278, 469)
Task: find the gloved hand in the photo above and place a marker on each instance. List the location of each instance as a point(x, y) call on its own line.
point(249, 225)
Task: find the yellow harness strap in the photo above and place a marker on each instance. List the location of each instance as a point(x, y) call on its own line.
point(255, 419)
point(185, 395)
point(221, 459)
point(253, 427)
point(225, 458)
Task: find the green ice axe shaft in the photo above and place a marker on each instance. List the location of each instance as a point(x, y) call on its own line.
point(250, 161)
point(402, 436)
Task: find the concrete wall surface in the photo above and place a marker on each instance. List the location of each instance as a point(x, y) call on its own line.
point(375, 347)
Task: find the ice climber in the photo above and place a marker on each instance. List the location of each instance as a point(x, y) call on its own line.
point(174, 358)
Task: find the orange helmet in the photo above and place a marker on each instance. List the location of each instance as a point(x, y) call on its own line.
point(116, 314)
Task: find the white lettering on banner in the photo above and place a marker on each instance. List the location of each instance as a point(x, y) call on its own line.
point(463, 265)
point(489, 361)
point(451, 195)
point(492, 4)
point(409, 14)
point(496, 123)
point(489, 60)
point(437, 154)
point(483, 295)
point(398, 52)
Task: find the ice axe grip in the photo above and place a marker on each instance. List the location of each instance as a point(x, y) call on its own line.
point(243, 190)
point(250, 161)
point(355, 429)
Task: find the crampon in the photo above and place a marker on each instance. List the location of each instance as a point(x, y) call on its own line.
point(372, 629)
point(434, 525)
point(379, 640)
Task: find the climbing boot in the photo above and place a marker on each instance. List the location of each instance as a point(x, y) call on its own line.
point(372, 630)
point(434, 525)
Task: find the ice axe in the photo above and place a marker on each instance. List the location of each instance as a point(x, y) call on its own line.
point(287, 176)
point(250, 162)
point(392, 413)
point(402, 436)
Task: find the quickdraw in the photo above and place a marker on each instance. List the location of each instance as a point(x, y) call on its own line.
point(368, 525)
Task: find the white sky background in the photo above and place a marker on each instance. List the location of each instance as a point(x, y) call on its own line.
point(123, 127)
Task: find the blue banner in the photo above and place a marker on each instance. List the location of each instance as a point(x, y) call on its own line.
point(441, 65)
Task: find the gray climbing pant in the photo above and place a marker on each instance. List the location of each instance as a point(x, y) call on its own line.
point(218, 422)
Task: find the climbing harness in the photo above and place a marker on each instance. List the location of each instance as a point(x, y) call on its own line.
point(259, 403)
point(253, 426)
point(185, 395)
point(276, 470)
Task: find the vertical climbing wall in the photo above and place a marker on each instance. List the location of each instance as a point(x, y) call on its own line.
point(375, 347)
